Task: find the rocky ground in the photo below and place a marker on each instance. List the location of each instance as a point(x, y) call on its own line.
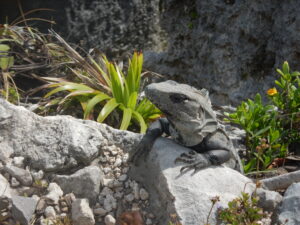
point(59, 169)
point(44, 198)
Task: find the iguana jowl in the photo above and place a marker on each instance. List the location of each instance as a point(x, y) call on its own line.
point(191, 121)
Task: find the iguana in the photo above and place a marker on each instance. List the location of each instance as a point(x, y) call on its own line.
point(191, 122)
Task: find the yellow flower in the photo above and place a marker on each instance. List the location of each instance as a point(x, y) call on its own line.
point(272, 91)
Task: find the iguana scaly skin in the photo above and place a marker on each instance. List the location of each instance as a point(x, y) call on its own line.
point(191, 122)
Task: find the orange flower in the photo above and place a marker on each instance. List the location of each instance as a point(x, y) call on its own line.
point(272, 91)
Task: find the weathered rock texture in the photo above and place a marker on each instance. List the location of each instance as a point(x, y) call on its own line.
point(290, 207)
point(230, 47)
point(227, 46)
point(58, 142)
point(188, 195)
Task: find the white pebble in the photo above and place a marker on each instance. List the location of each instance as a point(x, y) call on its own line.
point(50, 212)
point(118, 162)
point(125, 157)
point(110, 220)
point(18, 161)
point(129, 197)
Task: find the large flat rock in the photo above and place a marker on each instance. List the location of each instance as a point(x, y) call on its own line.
point(189, 194)
point(56, 143)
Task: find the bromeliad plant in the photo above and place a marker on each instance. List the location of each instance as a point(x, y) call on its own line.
point(104, 84)
point(271, 128)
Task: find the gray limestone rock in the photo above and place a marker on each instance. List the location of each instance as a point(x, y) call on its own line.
point(58, 142)
point(23, 176)
point(82, 214)
point(268, 200)
point(54, 193)
point(23, 209)
point(85, 183)
point(290, 208)
point(188, 195)
point(5, 190)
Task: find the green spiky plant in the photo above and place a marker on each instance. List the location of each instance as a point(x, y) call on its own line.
point(104, 84)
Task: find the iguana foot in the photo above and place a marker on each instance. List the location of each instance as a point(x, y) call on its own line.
point(195, 160)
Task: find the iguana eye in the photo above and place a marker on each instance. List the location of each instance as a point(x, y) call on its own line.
point(178, 98)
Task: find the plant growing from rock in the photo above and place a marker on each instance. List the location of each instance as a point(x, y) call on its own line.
point(276, 123)
point(103, 88)
point(243, 210)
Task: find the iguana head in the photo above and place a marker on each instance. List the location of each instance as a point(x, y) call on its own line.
point(179, 101)
point(187, 109)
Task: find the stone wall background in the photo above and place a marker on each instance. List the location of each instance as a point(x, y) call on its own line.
point(230, 47)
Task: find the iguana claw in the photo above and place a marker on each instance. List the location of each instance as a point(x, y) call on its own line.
point(195, 160)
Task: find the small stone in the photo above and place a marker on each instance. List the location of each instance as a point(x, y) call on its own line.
point(125, 157)
point(136, 191)
point(106, 170)
point(144, 194)
point(18, 162)
point(23, 176)
point(110, 203)
point(109, 220)
point(117, 184)
point(117, 175)
point(118, 162)
point(37, 198)
point(106, 191)
point(50, 212)
point(100, 212)
point(135, 207)
point(63, 204)
point(82, 213)
point(65, 209)
point(108, 183)
point(41, 205)
point(129, 197)
point(103, 159)
point(23, 209)
point(55, 193)
point(114, 152)
point(125, 169)
point(38, 175)
point(118, 195)
point(69, 198)
point(4, 202)
point(148, 221)
point(62, 215)
point(57, 208)
point(14, 182)
point(123, 177)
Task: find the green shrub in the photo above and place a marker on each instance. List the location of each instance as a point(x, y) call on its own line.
point(242, 211)
point(270, 128)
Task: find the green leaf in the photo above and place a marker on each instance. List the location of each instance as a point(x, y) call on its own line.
point(285, 68)
point(91, 104)
point(127, 114)
point(107, 109)
point(132, 100)
point(141, 121)
point(68, 86)
point(280, 72)
point(279, 84)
